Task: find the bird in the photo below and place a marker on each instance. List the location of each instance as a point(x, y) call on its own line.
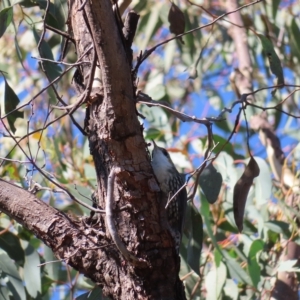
point(171, 182)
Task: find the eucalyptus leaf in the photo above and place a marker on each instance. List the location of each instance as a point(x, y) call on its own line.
point(32, 270)
point(236, 271)
point(52, 69)
point(274, 61)
point(11, 244)
point(279, 227)
point(231, 290)
point(295, 33)
point(6, 16)
point(241, 191)
point(4, 293)
point(11, 102)
point(214, 282)
point(288, 266)
point(253, 265)
point(14, 283)
point(263, 183)
point(195, 240)
point(211, 182)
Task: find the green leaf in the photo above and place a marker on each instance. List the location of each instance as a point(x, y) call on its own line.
point(275, 5)
point(4, 293)
point(224, 164)
point(235, 270)
point(205, 212)
point(279, 227)
point(83, 194)
point(153, 134)
point(56, 13)
point(263, 183)
point(27, 3)
point(19, 52)
point(226, 226)
point(211, 182)
point(52, 70)
point(195, 240)
point(46, 284)
point(15, 283)
point(185, 268)
point(214, 282)
point(228, 148)
point(11, 244)
point(274, 61)
point(54, 268)
point(153, 23)
point(11, 102)
point(218, 257)
point(295, 33)
point(32, 270)
point(253, 266)
point(6, 15)
point(231, 290)
point(288, 266)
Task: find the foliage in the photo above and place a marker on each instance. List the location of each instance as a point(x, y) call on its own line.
point(217, 262)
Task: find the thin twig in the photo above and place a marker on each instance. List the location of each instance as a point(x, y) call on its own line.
point(50, 179)
point(145, 99)
point(147, 53)
point(83, 97)
point(44, 29)
point(48, 85)
point(61, 62)
point(62, 33)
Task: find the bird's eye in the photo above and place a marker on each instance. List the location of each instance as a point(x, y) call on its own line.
point(165, 152)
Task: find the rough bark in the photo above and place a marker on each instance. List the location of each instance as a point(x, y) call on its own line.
point(116, 141)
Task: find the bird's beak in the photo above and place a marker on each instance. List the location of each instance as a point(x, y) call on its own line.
point(154, 144)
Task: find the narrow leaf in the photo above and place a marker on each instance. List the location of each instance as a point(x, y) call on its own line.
point(19, 52)
point(14, 284)
point(235, 270)
point(27, 3)
point(6, 15)
point(263, 183)
point(295, 33)
point(275, 64)
point(214, 281)
point(241, 191)
point(11, 101)
point(195, 240)
point(275, 5)
point(51, 69)
point(253, 266)
point(10, 243)
point(4, 293)
point(288, 266)
point(231, 290)
point(32, 271)
point(279, 227)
